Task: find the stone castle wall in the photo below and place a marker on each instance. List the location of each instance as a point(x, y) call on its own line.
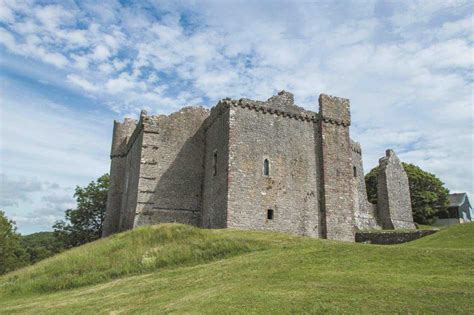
point(207, 168)
point(337, 181)
point(131, 179)
point(276, 131)
point(216, 165)
point(171, 173)
point(364, 211)
point(120, 138)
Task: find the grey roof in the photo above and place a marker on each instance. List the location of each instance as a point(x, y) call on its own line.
point(457, 199)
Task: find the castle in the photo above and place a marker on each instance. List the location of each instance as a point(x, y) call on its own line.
point(251, 165)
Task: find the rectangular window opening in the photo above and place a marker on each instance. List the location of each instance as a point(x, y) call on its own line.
point(269, 214)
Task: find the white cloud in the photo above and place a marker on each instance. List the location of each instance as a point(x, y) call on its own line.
point(52, 16)
point(6, 13)
point(83, 83)
point(12, 191)
point(101, 53)
point(462, 27)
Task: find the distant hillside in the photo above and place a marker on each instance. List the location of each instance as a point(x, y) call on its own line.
point(41, 245)
point(178, 268)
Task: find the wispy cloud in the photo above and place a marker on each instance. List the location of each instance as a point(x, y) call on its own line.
point(15, 190)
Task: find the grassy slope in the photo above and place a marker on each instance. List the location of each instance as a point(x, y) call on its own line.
point(175, 268)
point(460, 236)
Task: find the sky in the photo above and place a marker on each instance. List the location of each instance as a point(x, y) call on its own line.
point(69, 68)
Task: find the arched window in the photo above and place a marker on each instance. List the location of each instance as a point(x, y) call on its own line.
point(266, 167)
point(355, 171)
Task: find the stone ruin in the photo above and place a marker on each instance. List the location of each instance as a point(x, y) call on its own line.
point(263, 165)
point(393, 194)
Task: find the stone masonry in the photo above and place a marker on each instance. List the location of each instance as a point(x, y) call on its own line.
point(393, 194)
point(264, 165)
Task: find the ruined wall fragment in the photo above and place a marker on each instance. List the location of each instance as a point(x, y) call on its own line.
point(393, 194)
point(364, 211)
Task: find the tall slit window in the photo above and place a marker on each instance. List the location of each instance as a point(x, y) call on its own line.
point(214, 163)
point(266, 167)
point(355, 171)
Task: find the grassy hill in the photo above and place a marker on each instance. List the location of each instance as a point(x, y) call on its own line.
point(181, 269)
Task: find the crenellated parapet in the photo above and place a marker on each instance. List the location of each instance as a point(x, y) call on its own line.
point(281, 105)
point(334, 110)
point(355, 147)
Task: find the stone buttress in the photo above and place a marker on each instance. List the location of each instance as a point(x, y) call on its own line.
point(337, 172)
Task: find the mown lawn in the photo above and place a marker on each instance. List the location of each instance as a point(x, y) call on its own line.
point(180, 269)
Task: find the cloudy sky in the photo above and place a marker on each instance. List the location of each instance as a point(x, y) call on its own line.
point(69, 68)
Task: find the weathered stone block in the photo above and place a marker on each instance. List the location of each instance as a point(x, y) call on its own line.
point(393, 194)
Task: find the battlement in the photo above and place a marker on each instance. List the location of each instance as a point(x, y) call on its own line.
point(335, 110)
point(389, 156)
point(355, 147)
point(281, 105)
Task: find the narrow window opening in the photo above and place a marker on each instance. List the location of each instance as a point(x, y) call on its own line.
point(214, 163)
point(355, 171)
point(266, 167)
point(270, 214)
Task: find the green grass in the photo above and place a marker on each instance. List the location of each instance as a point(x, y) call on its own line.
point(459, 236)
point(180, 269)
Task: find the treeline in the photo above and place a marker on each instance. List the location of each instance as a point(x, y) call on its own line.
point(80, 225)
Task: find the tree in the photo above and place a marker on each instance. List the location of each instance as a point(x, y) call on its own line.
point(428, 194)
point(84, 224)
point(41, 245)
point(12, 254)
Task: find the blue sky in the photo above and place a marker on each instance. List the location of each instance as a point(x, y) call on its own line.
point(68, 69)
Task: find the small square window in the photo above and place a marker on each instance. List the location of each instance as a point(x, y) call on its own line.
point(269, 214)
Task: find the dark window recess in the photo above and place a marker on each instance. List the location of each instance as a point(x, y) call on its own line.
point(266, 168)
point(355, 171)
point(214, 163)
point(269, 214)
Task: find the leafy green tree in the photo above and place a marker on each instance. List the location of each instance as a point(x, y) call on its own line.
point(12, 254)
point(41, 245)
point(84, 224)
point(428, 194)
